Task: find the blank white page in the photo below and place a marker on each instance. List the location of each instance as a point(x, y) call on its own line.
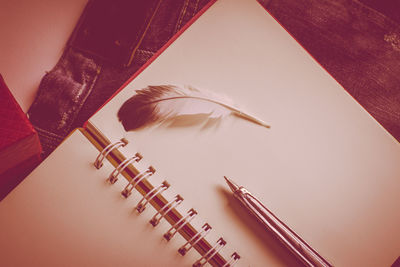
point(326, 167)
point(66, 214)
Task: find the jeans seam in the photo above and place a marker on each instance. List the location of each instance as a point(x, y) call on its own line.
point(181, 16)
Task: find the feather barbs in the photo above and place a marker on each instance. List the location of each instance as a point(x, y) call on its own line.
point(157, 104)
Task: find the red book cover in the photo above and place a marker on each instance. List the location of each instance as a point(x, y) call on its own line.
point(19, 143)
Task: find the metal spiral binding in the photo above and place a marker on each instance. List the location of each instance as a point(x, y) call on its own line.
point(137, 179)
point(179, 224)
point(209, 254)
point(206, 228)
point(150, 195)
point(121, 167)
point(234, 258)
point(165, 209)
point(98, 163)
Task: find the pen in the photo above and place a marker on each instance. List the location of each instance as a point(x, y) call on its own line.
point(296, 245)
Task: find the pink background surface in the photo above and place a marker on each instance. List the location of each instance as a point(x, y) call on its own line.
point(33, 35)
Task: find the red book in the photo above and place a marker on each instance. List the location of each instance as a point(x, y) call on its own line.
point(19, 143)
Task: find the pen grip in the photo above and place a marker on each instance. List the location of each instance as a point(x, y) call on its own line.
point(289, 238)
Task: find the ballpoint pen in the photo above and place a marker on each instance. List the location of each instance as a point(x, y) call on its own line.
point(296, 245)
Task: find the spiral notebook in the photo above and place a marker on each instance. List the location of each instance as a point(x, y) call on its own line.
point(156, 196)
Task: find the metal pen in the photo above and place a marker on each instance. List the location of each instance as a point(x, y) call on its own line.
point(296, 245)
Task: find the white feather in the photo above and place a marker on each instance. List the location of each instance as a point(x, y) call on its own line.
point(158, 104)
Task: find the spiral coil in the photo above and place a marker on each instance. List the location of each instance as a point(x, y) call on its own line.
point(165, 209)
point(209, 254)
point(234, 258)
point(121, 167)
point(179, 224)
point(153, 194)
point(98, 163)
point(150, 195)
point(205, 229)
point(136, 180)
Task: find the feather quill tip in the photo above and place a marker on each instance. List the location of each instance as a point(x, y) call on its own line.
point(265, 125)
point(252, 119)
point(262, 123)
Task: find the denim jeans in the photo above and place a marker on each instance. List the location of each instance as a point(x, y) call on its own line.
point(358, 45)
point(99, 59)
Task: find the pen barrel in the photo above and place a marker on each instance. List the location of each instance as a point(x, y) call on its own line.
point(307, 255)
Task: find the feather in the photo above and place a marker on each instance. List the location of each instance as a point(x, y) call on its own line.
point(167, 103)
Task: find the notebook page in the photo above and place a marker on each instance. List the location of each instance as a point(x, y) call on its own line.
point(326, 167)
point(65, 214)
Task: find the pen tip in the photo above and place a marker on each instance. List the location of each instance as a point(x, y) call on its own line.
point(232, 185)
